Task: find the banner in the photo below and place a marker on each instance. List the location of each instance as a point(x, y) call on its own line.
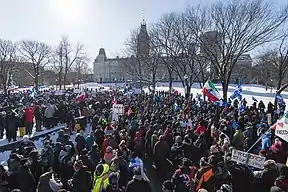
point(77, 91)
point(248, 159)
point(117, 109)
point(59, 92)
point(282, 128)
point(269, 119)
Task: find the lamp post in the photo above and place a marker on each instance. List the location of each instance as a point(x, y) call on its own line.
point(186, 87)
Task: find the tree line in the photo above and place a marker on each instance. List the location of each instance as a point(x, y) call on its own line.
point(61, 59)
point(180, 42)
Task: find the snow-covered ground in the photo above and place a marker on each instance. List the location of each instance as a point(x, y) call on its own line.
point(257, 91)
point(4, 156)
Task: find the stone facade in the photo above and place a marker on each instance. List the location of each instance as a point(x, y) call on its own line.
point(113, 70)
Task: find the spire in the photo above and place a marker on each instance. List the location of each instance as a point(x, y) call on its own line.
point(143, 18)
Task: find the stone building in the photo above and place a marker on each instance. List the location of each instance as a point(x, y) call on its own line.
point(113, 69)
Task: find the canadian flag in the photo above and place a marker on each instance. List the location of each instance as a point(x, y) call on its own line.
point(80, 97)
point(114, 101)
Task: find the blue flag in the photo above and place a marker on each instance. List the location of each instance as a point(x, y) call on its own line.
point(237, 92)
point(241, 107)
point(279, 99)
point(176, 107)
point(34, 93)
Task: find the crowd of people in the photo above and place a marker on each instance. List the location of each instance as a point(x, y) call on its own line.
point(189, 141)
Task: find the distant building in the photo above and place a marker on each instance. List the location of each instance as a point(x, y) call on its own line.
point(113, 69)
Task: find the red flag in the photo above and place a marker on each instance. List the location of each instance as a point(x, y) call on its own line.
point(81, 97)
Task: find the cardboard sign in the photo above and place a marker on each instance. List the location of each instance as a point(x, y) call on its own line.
point(269, 119)
point(118, 109)
point(59, 92)
point(282, 128)
point(77, 91)
point(248, 159)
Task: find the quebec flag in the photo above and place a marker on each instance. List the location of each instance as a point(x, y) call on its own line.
point(34, 93)
point(237, 92)
point(279, 99)
point(241, 107)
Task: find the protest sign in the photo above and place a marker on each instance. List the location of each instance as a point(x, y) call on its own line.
point(248, 159)
point(59, 92)
point(282, 128)
point(117, 109)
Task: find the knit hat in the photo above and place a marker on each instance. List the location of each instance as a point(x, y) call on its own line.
point(113, 176)
point(78, 164)
point(54, 185)
point(202, 190)
point(269, 162)
point(168, 185)
point(276, 189)
point(109, 149)
point(214, 149)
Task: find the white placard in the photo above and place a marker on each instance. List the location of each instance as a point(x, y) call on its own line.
point(59, 92)
point(282, 128)
point(118, 109)
point(269, 119)
point(77, 91)
point(248, 159)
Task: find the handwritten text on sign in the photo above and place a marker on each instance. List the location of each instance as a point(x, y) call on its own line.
point(248, 158)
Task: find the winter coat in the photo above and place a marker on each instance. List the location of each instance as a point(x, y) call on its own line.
point(49, 111)
point(43, 185)
point(266, 142)
point(89, 142)
point(94, 155)
point(161, 150)
point(238, 140)
point(139, 186)
point(47, 156)
point(29, 115)
point(82, 181)
point(38, 113)
point(87, 162)
point(26, 179)
point(36, 169)
point(80, 142)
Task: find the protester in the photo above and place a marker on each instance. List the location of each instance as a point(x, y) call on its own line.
point(190, 145)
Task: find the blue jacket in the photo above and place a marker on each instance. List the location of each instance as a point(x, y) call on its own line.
point(266, 141)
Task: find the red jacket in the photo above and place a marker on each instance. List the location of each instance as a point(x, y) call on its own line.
point(29, 115)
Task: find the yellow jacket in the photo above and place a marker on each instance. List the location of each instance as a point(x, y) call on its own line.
point(101, 181)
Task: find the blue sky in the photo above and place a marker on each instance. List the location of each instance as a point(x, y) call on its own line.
point(94, 23)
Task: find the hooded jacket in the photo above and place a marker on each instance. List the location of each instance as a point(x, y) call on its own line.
point(101, 181)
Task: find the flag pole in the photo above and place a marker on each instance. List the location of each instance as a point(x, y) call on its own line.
point(263, 135)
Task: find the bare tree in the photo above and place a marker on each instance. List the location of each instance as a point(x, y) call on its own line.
point(278, 58)
point(8, 59)
point(58, 63)
point(144, 63)
point(163, 31)
point(67, 55)
point(263, 71)
point(36, 53)
point(236, 27)
point(182, 50)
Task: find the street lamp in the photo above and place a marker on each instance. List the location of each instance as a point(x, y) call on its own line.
point(186, 85)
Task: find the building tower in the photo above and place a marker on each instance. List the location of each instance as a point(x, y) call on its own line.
point(143, 41)
point(99, 66)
